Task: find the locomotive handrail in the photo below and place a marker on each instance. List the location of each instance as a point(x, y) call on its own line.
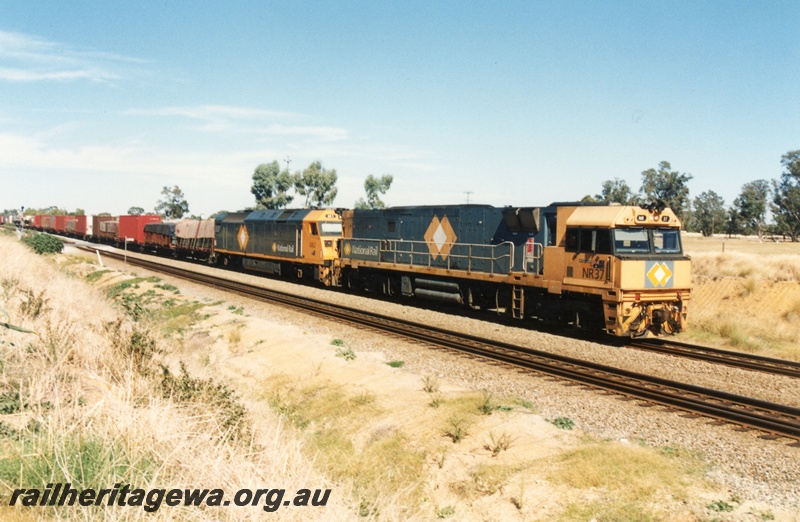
point(534, 258)
point(393, 251)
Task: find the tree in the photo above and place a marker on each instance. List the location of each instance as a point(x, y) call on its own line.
point(270, 186)
point(173, 205)
point(734, 223)
point(668, 186)
point(710, 215)
point(786, 198)
point(374, 188)
point(617, 191)
point(317, 184)
point(135, 211)
point(752, 207)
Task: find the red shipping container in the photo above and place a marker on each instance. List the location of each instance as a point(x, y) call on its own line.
point(61, 223)
point(37, 222)
point(49, 223)
point(132, 227)
point(83, 226)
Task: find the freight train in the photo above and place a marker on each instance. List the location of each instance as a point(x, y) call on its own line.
point(619, 269)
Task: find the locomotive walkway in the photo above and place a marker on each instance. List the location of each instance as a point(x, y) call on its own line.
point(775, 420)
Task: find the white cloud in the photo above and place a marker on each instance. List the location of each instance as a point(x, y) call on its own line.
point(25, 58)
point(246, 120)
point(214, 112)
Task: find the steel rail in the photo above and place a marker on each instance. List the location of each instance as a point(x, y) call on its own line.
point(719, 356)
point(776, 419)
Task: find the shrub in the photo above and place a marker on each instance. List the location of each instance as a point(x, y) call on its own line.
point(430, 383)
point(565, 423)
point(219, 398)
point(488, 405)
point(346, 353)
point(498, 443)
point(720, 506)
point(43, 243)
point(456, 428)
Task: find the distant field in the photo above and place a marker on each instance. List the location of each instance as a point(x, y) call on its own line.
point(746, 297)
point(695, 243)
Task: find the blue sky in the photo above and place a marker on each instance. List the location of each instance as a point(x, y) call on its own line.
point(103, 103)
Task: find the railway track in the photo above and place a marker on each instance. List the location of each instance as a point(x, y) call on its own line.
point(718, 356)
point(775, 420)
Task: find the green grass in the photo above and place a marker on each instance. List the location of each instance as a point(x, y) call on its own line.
point(346, 353)
point(169, 288)
point(93, 277)
point(565, 423)
point(83, 460)
point(120, 287)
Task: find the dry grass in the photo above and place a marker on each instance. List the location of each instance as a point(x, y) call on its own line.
point(758, 267)
point(628, 482)
point(88, 410)
point(385, 474)
point(747, 298)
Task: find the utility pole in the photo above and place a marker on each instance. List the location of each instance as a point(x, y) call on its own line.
point(467, 192)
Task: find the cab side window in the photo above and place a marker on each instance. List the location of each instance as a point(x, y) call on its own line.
point(314, 229)
point(604, 241)
point(572, 240)
point(588, 241)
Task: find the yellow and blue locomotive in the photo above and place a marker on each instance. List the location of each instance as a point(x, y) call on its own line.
point(297, 244)
point(616, 268)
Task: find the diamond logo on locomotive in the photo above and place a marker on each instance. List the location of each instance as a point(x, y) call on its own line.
point(242, 237)
point(440, 237)
point(659, 274)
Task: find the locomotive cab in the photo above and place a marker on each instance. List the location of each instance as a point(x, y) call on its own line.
point(322, 233)
point(631, 259)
